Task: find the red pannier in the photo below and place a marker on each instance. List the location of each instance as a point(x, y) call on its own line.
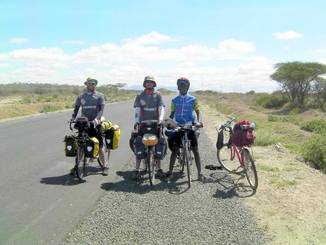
point(243, 133)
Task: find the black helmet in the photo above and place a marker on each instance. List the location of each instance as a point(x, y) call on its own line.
point(149, 79)
point(183, 81)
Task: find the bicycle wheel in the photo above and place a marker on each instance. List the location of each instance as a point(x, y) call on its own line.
point(226, 157)
point(250, 169)
point(148, 166)
point(80, 166)
point(188, 160)
point(153, 167)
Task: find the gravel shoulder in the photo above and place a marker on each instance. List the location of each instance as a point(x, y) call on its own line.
point(211, 212)
point(290, 201)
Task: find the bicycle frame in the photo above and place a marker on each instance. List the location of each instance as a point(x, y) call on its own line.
point(236, 151)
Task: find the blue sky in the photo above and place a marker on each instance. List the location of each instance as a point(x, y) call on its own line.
point(223, 45)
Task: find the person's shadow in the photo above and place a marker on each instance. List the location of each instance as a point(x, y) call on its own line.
point(68, 179)
point(230, 186)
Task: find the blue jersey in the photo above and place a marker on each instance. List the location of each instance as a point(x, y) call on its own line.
point(184, 108)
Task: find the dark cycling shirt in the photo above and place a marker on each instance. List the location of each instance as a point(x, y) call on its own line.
point(92, 104)
point(149, 105)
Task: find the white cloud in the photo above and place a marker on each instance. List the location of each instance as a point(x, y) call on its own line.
point(287, 35)
point(19, 40)
point(74, 42)
point(152, 38)
point(4, 65)
point(231, 65)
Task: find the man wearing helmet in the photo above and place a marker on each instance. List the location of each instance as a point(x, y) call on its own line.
point(184, 110)
point(92, 104)
point(148, 106)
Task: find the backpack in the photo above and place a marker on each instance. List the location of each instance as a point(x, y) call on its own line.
point(243, 134)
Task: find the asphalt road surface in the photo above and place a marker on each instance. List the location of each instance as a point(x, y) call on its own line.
point(39, 201)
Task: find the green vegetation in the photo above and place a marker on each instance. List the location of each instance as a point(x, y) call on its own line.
point(298, 132)
point(299, 80)
point(271, 101)
point(315, 126)
point(314, 151)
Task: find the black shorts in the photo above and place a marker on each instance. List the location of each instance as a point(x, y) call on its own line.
point(176, 139)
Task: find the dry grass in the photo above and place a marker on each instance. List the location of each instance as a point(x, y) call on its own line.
point(290, 201)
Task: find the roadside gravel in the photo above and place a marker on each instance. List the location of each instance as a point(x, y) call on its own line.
point(210, 212)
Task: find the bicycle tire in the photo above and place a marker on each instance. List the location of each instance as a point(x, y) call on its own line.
point(148, 166)
point(80, 166)
point(228, 160)
point(250, 169)
point(153, 165)
point(188, 161)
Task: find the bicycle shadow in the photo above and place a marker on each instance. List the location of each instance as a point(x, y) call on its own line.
point(127, 184)
point(68, 179)
point(176, 186)
point(230, 186)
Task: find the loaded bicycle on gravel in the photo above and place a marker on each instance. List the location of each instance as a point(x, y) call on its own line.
point(234, 151)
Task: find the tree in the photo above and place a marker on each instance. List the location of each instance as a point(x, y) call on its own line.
point(296, 79)
point(319, 91)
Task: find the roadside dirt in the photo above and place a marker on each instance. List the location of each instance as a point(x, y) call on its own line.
point(290, 203)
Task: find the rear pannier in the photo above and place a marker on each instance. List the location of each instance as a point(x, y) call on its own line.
point(92, 147)
point(112, 136)
point(243, 133)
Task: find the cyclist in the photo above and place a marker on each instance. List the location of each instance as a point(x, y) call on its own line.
point(184, 110)
point(148, 106)
point(92, 104)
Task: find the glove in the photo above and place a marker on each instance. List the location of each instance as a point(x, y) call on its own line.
point(136, 125)
point(199, 125)
point(96, 122)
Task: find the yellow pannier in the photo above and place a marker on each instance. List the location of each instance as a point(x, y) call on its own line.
point(92, 147)
point(112, 134)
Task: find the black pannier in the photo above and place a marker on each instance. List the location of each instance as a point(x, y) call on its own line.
point(70, 146)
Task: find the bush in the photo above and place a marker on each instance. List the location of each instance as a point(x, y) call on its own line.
point(272, 101)
point(314, 151)
point(317, 126)
point(264, 138)
point(49, 108)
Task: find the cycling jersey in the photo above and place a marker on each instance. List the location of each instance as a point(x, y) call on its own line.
point(183, 108)
point(92, 104)
point(149, 105)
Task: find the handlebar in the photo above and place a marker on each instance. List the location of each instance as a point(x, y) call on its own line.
point(189, 127)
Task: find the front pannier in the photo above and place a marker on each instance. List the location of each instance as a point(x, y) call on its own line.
point(70, 146)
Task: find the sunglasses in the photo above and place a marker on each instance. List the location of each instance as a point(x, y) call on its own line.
point(90, 83)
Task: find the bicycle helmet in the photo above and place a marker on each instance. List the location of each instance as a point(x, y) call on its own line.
point(149, 79)
point(183, 82)
point(90, 80)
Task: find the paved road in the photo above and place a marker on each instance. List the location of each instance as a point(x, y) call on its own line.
point(39, 201)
